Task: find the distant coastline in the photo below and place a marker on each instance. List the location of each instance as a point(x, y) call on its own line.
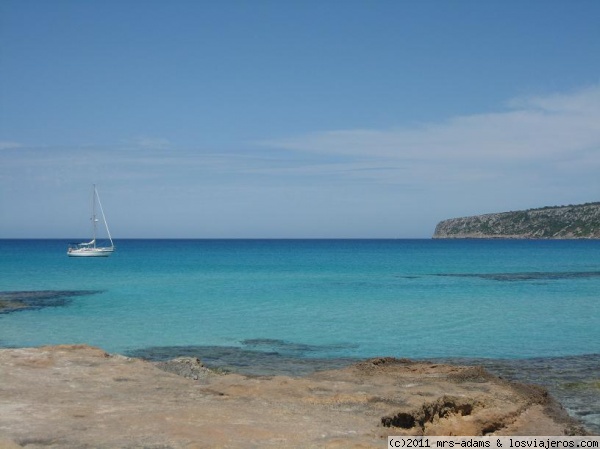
point(558, 222)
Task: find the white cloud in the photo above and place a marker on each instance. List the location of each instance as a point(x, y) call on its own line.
point(10, 145)
point(538, 137)
point(539, 151)
point(586, 99)
point(152, 143)
point(538, 129)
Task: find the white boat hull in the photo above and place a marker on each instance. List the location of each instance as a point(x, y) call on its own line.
point(90, 252)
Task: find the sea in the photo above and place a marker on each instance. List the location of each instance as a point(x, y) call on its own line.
point(528, 310)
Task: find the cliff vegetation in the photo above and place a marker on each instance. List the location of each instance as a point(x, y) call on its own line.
point(580, 221)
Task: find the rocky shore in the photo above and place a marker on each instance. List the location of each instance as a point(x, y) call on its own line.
point(80, 397)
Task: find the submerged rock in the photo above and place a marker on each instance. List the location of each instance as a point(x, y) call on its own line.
point(189, 367)
point(13, 301)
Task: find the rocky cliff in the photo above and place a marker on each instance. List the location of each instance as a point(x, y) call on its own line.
point(562, 222)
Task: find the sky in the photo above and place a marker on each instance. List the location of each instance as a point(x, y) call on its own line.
point(293, 119)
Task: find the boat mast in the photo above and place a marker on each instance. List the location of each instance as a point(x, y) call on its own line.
point(103, 217)
point(94, 220)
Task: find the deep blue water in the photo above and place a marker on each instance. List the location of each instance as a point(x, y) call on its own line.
point(294, 300)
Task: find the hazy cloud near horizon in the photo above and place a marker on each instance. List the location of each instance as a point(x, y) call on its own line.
point(545, 147)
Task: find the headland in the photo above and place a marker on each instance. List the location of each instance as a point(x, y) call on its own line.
point(581, 221)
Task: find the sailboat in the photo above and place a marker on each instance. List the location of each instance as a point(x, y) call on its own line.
point(91, 248)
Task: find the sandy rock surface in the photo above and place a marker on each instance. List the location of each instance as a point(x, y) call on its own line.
point(82, 397)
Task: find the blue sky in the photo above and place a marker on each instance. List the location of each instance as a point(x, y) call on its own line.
point(323, 119)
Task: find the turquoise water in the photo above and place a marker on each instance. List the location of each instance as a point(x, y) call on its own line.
point(340, 298)
point(528, 310)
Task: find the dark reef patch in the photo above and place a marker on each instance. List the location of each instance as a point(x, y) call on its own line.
point(14, 301)
point(527, 276)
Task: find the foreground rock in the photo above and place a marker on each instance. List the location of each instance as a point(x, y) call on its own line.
point(78, 396)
